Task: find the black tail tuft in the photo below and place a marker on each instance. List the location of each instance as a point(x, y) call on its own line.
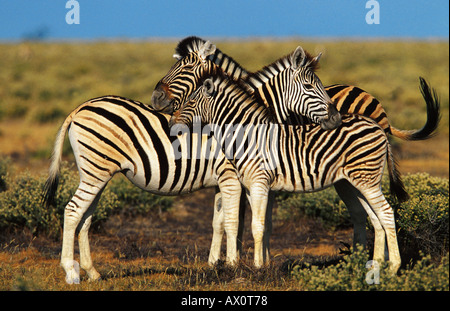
point(50, 187)
point(433, 112)
point(397, 188)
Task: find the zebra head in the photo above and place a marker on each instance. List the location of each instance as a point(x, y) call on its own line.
point(182, 79)
point(223, 100)
point(196, 107)
point(304, 93)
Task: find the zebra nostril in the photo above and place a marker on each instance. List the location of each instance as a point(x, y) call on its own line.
point(160, 95)
point(157, 98)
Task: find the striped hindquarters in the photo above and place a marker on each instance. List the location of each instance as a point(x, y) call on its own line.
point(352, 99)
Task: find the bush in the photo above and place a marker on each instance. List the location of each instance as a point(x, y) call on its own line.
point(350, 275)
point(422, 221)
point(325, 206)
point(4, 165)
point(21, 201)
point(21, 204)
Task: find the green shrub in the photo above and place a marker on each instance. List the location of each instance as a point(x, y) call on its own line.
point(325, 206)
point(21, 201)
point(422, 221)
point(350, 275)
point(4, 165)
point(135, 201)
point(21, 204)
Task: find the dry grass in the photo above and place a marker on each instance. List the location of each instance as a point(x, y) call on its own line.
point(166, 253)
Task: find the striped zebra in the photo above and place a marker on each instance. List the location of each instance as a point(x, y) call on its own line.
point(197, 58)
point(297, 81)
point(346, 98)
point(112, 134)
point(291, 80)
point(297, 158)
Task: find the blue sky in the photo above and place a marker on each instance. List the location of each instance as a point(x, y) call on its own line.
point(142, 19)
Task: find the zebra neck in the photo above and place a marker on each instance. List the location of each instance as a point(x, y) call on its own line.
point(274, 100)
point(267, 92)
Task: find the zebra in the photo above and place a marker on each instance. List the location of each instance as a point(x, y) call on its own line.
point(292, 81)
point(300, 85)
point(346, 98)
point(307, 158)
point(112, 134)
point(197, 57)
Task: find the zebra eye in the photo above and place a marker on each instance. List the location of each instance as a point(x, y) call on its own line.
point(309, 86)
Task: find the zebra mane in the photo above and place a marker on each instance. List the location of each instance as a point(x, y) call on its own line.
point(188, 45)
point(222, 60)
point(239, 88)
point(273, 69)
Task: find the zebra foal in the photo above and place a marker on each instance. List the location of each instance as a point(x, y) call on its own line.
point(297, 158)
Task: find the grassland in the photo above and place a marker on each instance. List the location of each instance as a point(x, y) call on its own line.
point(40, 83)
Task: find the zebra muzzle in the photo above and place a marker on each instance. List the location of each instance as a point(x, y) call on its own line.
point(160, 98)
point(333, 120)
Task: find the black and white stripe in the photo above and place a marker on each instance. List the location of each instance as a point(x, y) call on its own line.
point(289, 86)
point(192, 59)
point(307, 157)
point(347, 99)
point(112, 134)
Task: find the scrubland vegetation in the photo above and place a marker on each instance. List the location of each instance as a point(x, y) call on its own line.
point(40, 83)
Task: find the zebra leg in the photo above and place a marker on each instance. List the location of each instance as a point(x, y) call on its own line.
point(218, 229)
point(380, 236)
point(240, 234)
point(385, 215)
point(75, 210)
point(258, 201)
point(268, 227)
point(71, 220)
point(231, 194)
point(351, 197)
point(83, 241)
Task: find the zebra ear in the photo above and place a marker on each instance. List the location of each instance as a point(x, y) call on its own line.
point(208, 87)
point(317, 58)
point(177, 56)
point(298, 58)
point(206, 49)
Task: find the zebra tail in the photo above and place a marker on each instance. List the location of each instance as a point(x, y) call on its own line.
point(397, 188)
point(433, 116)
point(51, 185)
